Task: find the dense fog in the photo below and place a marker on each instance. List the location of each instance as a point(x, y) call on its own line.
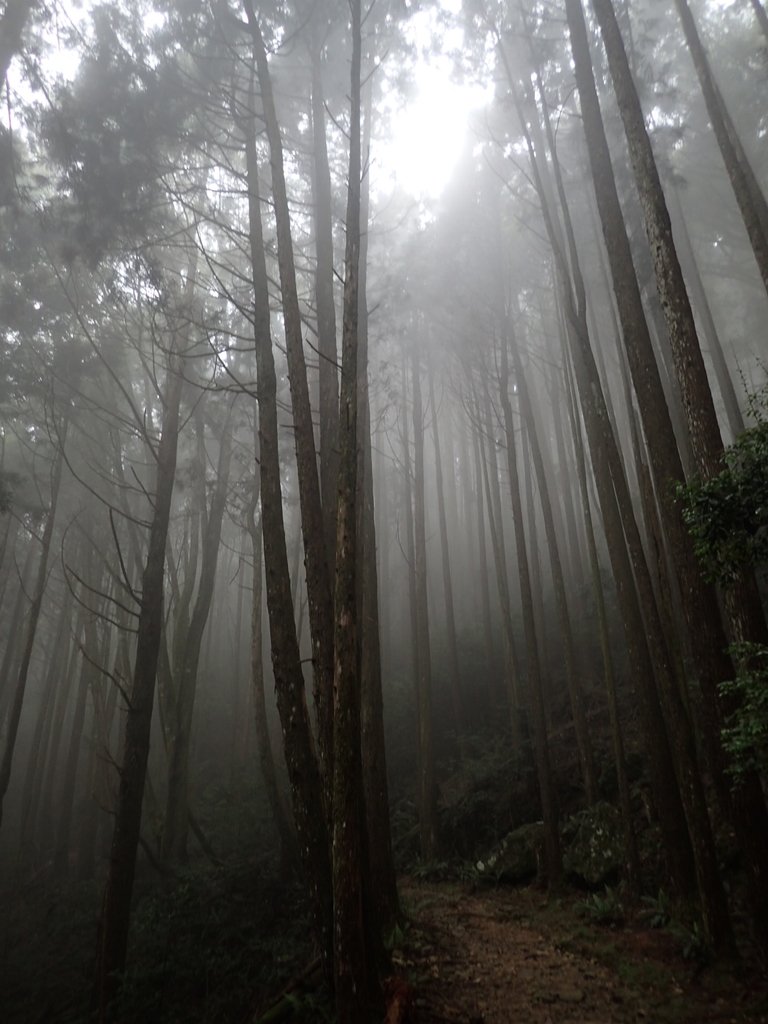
point(383, 471)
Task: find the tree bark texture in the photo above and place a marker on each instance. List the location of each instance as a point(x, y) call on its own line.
point(307, 795)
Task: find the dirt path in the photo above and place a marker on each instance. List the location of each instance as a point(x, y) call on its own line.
point(503, 956)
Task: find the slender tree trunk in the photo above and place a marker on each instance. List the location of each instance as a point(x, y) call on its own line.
point(319, 591)
point(13, 641)
point(66, 797)
point(326, 310)
point(586, 754)
point(427, 784)
point(701, 302)
point(14, 715)
point(38, 751)
point(742, 603)
point(288, 851)
point(485, 594)
point(549, 809)
point(350, 865)
point(180, 733)
point(410, 544)
point(307, 794)
point(648, 656)
point(445, 558)
point(746, 188)
point(46, 817)
point(383, 896)
point(515, 699)
point(631, 854)
point(116, 913)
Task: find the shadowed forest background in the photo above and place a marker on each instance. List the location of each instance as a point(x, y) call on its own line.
point(372, 507)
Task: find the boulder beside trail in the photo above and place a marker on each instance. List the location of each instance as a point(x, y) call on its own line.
point(593, 849)
point(517, 857)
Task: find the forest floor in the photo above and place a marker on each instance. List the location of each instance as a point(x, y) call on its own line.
point(503, 955)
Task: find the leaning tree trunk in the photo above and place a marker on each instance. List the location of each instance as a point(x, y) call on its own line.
point(648, 656)
point(742, 603)
point(701, 303)
point(746, 188)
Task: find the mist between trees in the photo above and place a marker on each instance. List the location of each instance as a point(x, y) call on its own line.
point(319, 499)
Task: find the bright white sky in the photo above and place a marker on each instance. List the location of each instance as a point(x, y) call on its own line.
point(429, 129)
point(428, 136)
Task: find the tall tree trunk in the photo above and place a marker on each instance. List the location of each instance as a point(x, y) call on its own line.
point(350, 865)
point(116, 912)
point(180, 733)
point(66, 797)
point(14, 714)
point(701, 304)
point(445, 559)
point(14, 639)
point(319, 591)
point(515, 698)
point(646, 643)
point(549, 809)
point(288, 851)
point(383, 882)
point(326, 309)
point(742, 602)
point(38, 751)
point(586, 754)
point(497, 690)
point(307, 794)
point(427, 784)
point(47, 816)
point(746, 188)
point(631, 855)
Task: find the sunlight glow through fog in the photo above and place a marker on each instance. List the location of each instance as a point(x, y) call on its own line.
point(429, 134)
point(428, 130)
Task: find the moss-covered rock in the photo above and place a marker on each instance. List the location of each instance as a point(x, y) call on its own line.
point(593, 849)
point(517, 857)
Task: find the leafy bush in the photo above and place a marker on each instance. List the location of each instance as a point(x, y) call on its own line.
point(727, 515)
point(657, 910)
point(203, 949)
point(604, 907)
point(745, 736)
